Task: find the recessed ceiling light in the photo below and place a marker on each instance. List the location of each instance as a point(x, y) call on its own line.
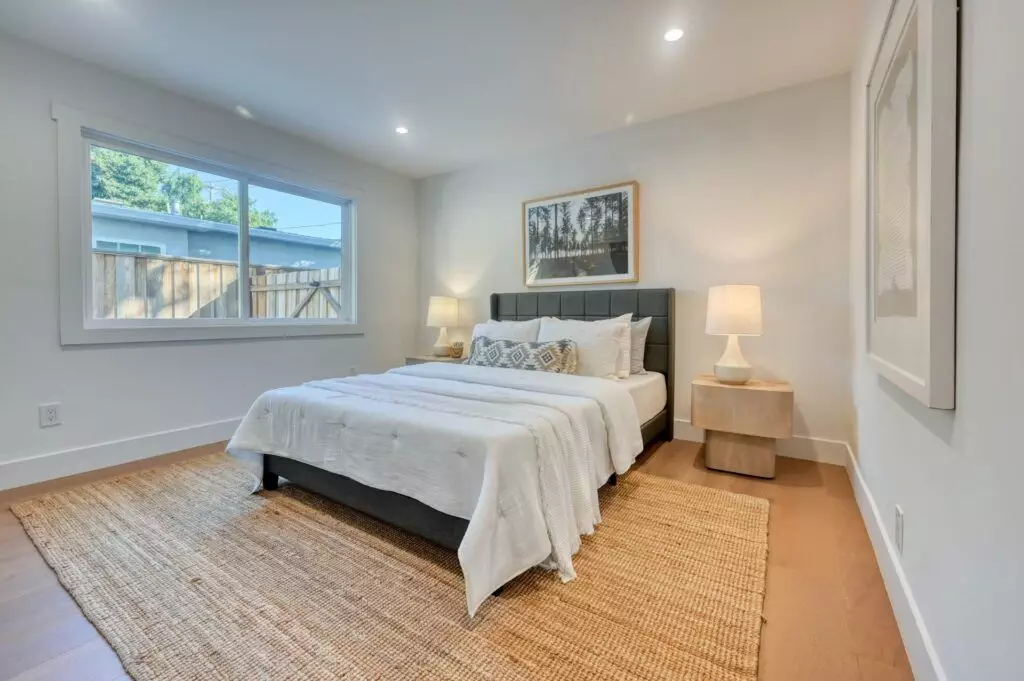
point(401, 130)
point(242, 111)
point(673, 34)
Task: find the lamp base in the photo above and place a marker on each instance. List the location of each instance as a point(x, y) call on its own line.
point(441, 345)
point(732, 368)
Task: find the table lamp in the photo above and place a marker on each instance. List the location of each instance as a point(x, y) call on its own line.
point(442, 312)
point(734, 311)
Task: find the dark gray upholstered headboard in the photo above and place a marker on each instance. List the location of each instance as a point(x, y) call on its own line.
point(657, 303)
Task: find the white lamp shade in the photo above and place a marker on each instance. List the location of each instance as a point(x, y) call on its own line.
point(443, 311)
point(734, 310)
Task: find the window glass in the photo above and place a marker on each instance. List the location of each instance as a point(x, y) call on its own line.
point(296, 256)
point(166, 239)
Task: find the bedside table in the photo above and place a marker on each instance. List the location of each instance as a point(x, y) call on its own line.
point(742, 423)
point(423, 359)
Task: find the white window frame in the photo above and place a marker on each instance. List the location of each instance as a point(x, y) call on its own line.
point(130, 242)
point(77, 131)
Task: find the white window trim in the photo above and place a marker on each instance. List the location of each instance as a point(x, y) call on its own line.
point(130, 242)
point(74, 217)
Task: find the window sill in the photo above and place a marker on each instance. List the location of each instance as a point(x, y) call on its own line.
point(157, 331)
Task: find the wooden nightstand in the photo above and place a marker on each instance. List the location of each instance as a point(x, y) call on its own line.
point(742, 423)
point(423, 359)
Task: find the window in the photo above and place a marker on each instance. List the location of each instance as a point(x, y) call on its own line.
point(142, 199)
point(191, 247)
point(295, 255)
point(102, 246)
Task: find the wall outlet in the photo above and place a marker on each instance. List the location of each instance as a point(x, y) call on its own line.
point(353, 370)
point(898, 530)
point(49, 415)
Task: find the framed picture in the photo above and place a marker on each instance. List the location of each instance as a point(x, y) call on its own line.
point(586, 237)
point(911, 263)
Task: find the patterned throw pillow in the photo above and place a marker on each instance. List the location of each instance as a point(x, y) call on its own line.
point(559, 356)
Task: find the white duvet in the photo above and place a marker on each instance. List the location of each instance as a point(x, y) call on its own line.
point(513, 452)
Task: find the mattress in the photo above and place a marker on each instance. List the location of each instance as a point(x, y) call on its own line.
point(648, 392)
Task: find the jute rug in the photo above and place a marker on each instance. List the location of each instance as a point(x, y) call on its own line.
point(189, 577)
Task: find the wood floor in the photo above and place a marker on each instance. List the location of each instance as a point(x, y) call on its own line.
point(827, 616)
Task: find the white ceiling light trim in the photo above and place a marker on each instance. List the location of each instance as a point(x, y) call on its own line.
point(673, 34)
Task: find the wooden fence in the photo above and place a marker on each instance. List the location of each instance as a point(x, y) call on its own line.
point(128, 286)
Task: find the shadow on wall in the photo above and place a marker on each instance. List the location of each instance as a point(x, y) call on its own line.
point(941, 422)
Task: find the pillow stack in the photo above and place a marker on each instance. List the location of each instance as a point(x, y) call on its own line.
point(604, 345)
point(520, 331)
point(638, 344)
point(606, 348)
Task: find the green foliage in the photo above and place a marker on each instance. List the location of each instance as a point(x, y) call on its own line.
point(144, 183)
point(128, 179)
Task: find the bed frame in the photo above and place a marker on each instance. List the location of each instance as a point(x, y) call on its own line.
point(441, 528)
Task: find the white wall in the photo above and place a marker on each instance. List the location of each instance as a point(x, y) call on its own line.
point(115, 392)
point(957, 475)
point(754, 191)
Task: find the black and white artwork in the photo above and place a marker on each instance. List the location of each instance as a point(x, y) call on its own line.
point(585, 237)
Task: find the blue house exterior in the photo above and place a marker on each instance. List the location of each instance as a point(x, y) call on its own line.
point(129, 230)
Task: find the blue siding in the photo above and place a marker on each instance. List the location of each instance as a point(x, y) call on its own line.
point(188, 238)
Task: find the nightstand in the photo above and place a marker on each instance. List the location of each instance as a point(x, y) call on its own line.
point(742, 423)
point(423, 359)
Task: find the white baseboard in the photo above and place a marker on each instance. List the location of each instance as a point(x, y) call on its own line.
point(42, 467)
point(684, 430)
point(804, 447)
point(924, 660)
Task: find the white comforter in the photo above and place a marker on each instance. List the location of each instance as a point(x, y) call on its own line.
point(511, 451)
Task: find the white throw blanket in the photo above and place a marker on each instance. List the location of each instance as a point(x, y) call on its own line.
point(511, 451)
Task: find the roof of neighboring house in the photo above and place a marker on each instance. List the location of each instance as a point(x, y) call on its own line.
point(113, 212)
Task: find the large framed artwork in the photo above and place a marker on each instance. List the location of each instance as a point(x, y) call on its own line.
point(911, 263)
point(584, 237)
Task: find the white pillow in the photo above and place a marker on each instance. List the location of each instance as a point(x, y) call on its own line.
point(517, 331)
point(604, 346)
point(638, 345)
point(625, 345)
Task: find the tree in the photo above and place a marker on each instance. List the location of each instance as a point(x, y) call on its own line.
point(596, 220)
point(609, 221)
point(147, 184)
point(128, 179)
point(567, 230)
point(581, 221)
point(545, 232)
point(534, 233)
point(623, 231)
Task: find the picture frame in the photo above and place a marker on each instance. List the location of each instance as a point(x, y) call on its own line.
point(911, 206)
point(590, 236)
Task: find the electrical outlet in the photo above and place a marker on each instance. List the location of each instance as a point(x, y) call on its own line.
point(352, 370)
point(49, 415)
point(898, 530)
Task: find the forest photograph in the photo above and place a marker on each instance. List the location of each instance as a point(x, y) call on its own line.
point(582, 237)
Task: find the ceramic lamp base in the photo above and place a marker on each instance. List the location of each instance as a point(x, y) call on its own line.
point(732, 368)
point(441, 345)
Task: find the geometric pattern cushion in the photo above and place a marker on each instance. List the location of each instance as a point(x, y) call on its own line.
point(559, 356)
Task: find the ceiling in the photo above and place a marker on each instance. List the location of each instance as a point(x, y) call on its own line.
point(473, 80)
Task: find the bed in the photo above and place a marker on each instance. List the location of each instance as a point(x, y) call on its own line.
point(445, 413)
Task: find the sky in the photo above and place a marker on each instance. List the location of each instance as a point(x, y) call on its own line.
point(295, 214)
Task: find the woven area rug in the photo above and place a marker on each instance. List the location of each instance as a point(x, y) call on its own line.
point(189, 577)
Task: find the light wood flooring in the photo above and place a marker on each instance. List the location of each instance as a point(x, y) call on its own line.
point(827, 616)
